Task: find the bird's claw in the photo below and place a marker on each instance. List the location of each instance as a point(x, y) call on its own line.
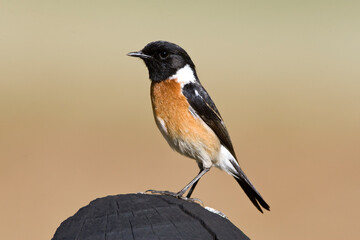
point(176, 195)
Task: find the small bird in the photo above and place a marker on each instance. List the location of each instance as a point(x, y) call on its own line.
point(188, 118)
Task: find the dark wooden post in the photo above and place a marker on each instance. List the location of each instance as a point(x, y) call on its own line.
point(145, 217)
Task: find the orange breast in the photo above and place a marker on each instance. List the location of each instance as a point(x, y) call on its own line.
point(171, 106)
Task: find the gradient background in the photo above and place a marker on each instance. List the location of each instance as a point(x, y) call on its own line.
point(76, 121)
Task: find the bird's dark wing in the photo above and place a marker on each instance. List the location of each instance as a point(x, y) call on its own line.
point(205, 108)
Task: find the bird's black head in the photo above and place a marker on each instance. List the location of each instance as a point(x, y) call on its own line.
point(163, 59)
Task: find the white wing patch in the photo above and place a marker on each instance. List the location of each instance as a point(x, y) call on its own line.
point(193, 112)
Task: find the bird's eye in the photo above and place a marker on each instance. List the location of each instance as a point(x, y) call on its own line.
point(163, 55)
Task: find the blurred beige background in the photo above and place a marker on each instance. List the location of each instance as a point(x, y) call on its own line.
point(76, 121)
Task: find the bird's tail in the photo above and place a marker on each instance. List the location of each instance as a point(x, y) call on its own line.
point(231, 166)
point(250, 190)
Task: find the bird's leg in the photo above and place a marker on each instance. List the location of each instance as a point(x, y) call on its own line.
point(192, 189)
point(182, 191)
point(195, 180)
point(195, 183)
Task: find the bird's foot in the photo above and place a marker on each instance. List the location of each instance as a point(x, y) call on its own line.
point(176, 195)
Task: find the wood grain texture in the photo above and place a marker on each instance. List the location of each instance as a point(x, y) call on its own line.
point(143, 216)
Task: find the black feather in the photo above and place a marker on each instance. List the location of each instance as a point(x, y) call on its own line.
point(205, 108)
point(249, 189)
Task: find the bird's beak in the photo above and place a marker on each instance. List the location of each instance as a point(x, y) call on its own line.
point(138, 54)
